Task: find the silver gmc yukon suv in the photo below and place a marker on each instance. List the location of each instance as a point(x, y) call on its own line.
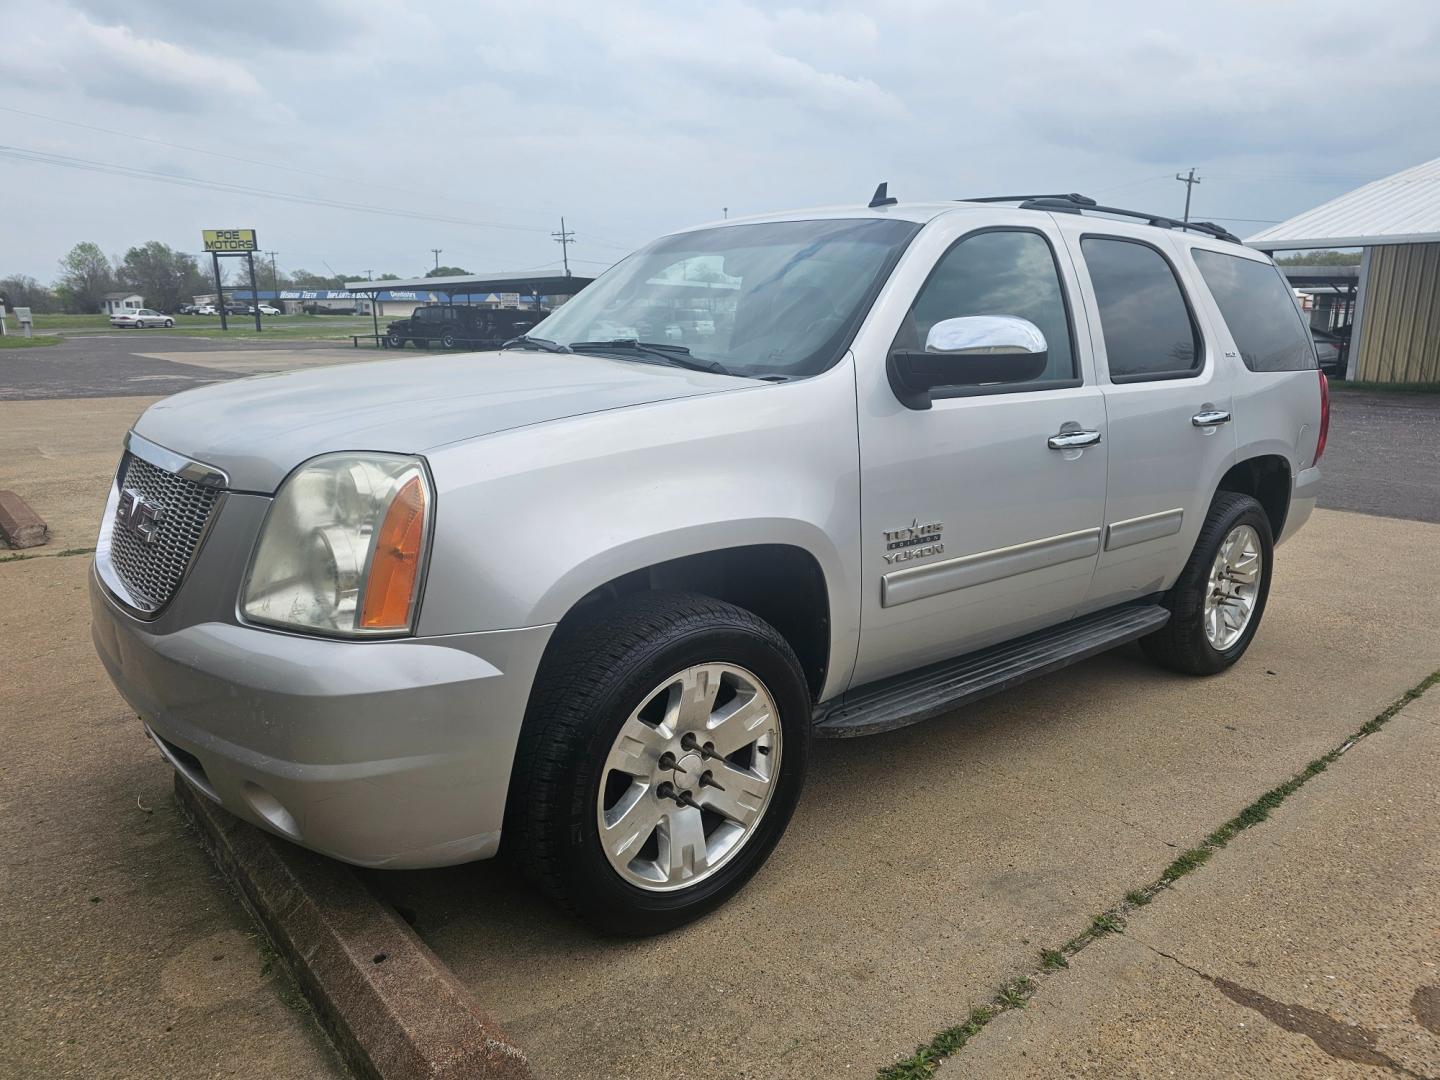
point(586, 599)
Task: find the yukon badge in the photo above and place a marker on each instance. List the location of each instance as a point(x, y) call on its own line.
point(915, 541)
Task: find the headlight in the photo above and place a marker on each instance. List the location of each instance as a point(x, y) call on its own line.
point(342, 546)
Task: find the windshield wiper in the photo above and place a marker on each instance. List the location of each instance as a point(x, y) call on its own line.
point(535, 343)
point(678, 355)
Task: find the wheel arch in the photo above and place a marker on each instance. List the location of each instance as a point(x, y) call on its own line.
point(1267, 479)
point(784, 584)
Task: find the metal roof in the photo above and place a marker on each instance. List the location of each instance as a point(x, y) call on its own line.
point(1400, 209)
point(469, 284)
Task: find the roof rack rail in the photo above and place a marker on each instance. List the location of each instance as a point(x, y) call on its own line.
point(1075, 204)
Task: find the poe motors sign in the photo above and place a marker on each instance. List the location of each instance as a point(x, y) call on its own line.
point(230, 241)
point(222, 244)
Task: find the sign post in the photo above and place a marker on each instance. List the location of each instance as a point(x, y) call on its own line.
point(228, 242)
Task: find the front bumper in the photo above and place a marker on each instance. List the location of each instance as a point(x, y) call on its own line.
point(381, 753)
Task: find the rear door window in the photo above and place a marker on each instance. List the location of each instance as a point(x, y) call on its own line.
point(1147, 326)
point(1259, 308)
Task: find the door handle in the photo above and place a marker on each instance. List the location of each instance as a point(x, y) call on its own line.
point(1073, 440)
point(1210, 418)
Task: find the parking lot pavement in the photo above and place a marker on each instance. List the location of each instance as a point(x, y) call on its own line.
point(124, 953)
point(127, 363)
point(926, 867)
point(1308, 948)
point(1384, 455)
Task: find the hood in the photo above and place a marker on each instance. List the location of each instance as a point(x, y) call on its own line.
point(258, 429)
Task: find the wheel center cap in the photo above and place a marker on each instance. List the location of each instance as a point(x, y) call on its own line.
point(686, 776)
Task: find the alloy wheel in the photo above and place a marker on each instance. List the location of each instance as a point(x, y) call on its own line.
point(688, 777)
point(1233, 586)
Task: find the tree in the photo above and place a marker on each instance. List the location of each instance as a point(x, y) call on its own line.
point(21, 290)
point(85, 277)
point(165, 277)
point(1321, 258)
point(446, 271)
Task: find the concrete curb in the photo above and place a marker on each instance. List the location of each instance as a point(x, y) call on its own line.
point(392, 1008)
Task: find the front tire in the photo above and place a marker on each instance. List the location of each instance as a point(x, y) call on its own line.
point(447, 340)
point(395, 341)
point(662, 756)
point(169, 323)
point(1218, 600)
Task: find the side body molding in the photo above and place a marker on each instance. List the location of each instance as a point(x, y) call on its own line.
point(1137, 530)
point(932, 579)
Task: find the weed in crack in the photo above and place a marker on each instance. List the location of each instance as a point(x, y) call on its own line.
point(1016, 994)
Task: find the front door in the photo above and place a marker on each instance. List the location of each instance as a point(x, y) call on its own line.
point(979, 522)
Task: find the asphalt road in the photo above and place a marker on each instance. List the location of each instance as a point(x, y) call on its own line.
point(1383, 455)
point(129, 362)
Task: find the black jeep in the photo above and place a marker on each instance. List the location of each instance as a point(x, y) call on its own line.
point(461, 325)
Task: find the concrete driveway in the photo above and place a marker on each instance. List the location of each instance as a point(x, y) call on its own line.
point(924, 868)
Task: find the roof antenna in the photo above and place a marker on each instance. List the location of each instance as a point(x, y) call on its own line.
point(882, 197)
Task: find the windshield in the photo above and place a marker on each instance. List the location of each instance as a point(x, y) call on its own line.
point(778, 298)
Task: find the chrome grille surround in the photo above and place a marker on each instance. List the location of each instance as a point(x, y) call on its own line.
point(144, 575)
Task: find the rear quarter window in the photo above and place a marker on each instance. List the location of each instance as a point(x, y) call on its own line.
point(1259, 309)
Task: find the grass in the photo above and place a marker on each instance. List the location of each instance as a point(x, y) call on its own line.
point(1017, 993)
point(1388, 387)
point(283, 327)
point(20, 555)
point(13, 340)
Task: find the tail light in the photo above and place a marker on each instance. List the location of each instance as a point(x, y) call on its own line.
point(1324, 418)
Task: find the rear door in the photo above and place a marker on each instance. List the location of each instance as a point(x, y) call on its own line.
point(975, 527)
point(1168, 402)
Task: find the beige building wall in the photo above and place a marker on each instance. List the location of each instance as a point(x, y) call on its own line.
point(1400, 328)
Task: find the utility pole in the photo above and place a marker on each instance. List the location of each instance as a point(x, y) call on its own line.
point(725, 212)
point(564, 238)
point(274, 274)
point(437, 257)
point(1189, 182)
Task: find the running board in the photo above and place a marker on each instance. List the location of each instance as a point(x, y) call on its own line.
point(918, 695)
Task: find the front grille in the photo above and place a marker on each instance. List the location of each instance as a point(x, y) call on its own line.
point(151, 570)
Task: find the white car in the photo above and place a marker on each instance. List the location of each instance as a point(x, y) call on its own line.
point(267, 309)
point(124, 320)
point(205, 309)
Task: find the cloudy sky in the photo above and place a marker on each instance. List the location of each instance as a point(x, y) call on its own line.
point(474, 126)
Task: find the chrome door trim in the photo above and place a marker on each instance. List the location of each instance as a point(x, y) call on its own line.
point(932, 579)
point(197, 472)
point(1210, 418)
point(1137, 530)
point(1073, 440)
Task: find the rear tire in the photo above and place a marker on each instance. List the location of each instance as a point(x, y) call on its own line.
point(447, 340)
point(1217, 602)
point(588, 817)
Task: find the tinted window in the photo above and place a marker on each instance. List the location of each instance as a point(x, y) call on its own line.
point(1259, 309)
point(997, 273)
point(1147, 328)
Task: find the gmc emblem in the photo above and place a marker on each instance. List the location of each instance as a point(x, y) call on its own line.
point(138, 516)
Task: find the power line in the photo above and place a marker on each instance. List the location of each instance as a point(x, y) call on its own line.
point(348, 180)
point(40, 157)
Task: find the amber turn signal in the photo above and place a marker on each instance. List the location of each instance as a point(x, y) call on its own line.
point(395, 568)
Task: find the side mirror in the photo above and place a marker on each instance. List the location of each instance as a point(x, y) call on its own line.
point(976, 350)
